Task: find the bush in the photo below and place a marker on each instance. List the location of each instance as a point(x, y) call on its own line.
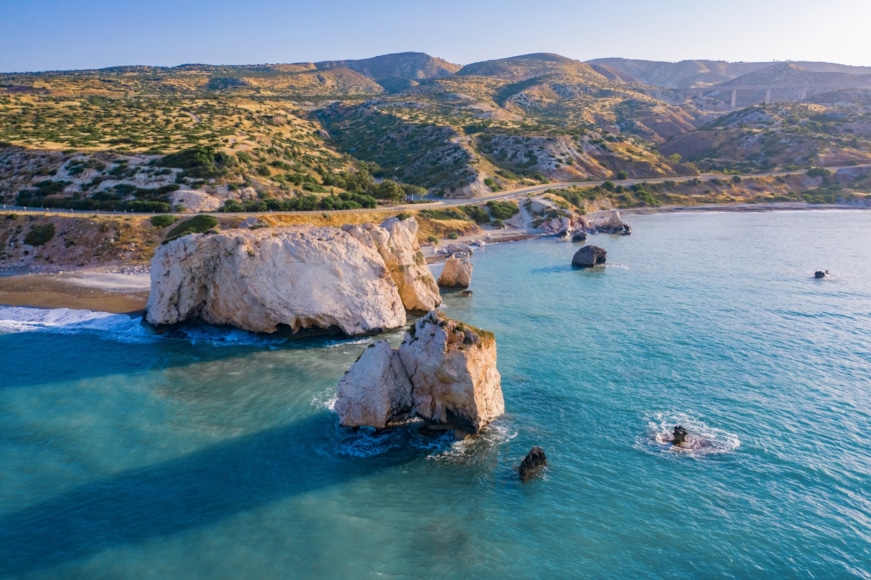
point(477, 213)
point(433, 240)
point(453, 236)
point(39, 235)
point(736, 179)
point(819, 172)
point(196, 225)
point(622, 175)
point(498, 224)
point(200, 161)
point(12, 216)
point(444, 214)
point(502, 210)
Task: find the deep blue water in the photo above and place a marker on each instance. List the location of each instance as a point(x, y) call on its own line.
point(127, 455)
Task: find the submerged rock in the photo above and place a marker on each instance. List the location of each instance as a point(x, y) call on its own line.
point(457, 272)
point(451, 368)
point(589, 256)
point(466, 293)
point(290, 279)
point(375, 391)
point(579, 236)
point(533, 462)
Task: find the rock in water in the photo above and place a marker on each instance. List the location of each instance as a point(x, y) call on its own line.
point(268, 280)
point(396, 241)
point(579, 236)
point(609, 222)
point(375, 391)
point(589, 256)
point(533, 461)
point(820, 274)
point(452, 367)
point(444, 372)
point(457, 272)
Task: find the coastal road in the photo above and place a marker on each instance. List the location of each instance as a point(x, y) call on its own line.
point(441, 202)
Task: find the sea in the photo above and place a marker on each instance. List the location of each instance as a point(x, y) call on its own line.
point(216, 453)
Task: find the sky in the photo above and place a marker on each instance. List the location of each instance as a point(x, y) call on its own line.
point(78, 34)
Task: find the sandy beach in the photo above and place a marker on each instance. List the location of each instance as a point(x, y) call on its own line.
point(101, 290)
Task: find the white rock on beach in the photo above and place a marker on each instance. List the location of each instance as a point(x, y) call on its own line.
point(270, 280)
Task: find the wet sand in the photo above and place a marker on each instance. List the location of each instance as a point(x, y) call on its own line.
point(83, 290)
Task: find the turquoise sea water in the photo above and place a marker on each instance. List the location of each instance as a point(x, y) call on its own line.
point(127, 455)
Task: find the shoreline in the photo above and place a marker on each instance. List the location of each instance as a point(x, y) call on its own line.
point(125, 289)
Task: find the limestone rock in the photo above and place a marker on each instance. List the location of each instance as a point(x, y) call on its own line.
point(453, 373)
point(579, 236)
point(269, 280)
point(589, 256)
point(194, 201)
point(457, 272)
point(534, 460)
point(396, 241)
point(609, 222)
point(454, 248)
point(375, 391)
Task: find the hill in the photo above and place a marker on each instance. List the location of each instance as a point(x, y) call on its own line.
point(353, 133)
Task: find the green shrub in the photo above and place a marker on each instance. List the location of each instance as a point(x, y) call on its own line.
point(477, 213)
point(162, 221)
point(502, 210)
point(819, 172)
point(453, 236)
point(622, 175)
point(200, 161)
point(12, 216)
point(433, 240)
point(39, 235)
point(196, 225)
point(444, 214)
point(497, 223)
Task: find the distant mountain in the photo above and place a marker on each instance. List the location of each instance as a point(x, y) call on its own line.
point(790, 73)
point(396, 71)
point(527, 66)
point(705, 73)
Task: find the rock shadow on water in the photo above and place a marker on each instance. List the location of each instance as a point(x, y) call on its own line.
point(191, 491)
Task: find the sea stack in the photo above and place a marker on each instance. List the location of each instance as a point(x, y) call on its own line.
point(589, 256)
point(457, 272)
point(446, 374)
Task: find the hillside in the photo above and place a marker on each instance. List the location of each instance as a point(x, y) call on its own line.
point(324, 135)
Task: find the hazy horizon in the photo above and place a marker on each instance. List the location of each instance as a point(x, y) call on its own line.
point(46, 35)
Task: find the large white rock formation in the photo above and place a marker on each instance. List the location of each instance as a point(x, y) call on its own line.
point(396, 241)
point(457, 272)
point(270, 280)
point(451, 368)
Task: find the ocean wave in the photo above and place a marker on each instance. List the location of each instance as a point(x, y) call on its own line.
point(120, 327)
point(702, 440)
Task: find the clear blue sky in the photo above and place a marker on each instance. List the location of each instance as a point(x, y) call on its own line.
point(68, 34)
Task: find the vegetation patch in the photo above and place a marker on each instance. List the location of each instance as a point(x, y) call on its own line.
point(163, 221)
point(196, 225)
point(39, 235)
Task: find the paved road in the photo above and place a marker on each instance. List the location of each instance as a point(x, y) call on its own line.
point(439, 202)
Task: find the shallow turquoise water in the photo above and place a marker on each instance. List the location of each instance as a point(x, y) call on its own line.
point(126, 455)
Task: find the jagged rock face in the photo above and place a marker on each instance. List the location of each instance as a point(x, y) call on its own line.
point(396, 241)
point(444, 371)
point(375, 391)
point(269, 280)
point(589, 256)
point(457, 272)
point(453, 372)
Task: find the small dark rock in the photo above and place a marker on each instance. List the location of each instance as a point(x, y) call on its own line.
point(679, 435)
point(589, 256)
point(579, 236)
point(466, 293)
point(533, 461)
point(821, 274)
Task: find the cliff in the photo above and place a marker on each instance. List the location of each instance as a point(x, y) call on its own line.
point(291, 279)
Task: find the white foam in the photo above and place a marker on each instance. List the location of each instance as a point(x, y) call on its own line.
point(702, 440)
point(123, 327)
